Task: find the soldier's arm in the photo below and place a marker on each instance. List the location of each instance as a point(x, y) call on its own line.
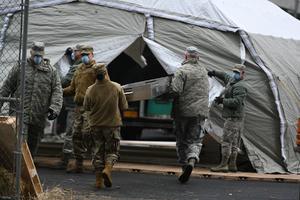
point(57, 93)
point(177, 84)
point(239, 94)
point(66, 80)
point(10, 84)
point(70, 90)
point(123, 105)
point(87, 100)
point(223, 76)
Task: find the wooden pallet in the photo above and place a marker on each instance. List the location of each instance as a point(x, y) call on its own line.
point(29, 173)
point(30, 179)
point(176, 170)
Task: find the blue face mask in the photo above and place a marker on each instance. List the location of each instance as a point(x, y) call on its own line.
point(73, 56)
point(85, 59)
point(236, 76)
point(37, 59)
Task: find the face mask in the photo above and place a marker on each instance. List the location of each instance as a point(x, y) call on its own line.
point(85, 59)
point(37, 60)
point(73, 56)
point(236, 76)
point(100, 77)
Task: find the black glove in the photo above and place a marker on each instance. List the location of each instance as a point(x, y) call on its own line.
point(211, 73)
point(219, 100)
point(69, 51)
point(52, 115)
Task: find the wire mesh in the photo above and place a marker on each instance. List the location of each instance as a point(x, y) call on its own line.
point(11, 25)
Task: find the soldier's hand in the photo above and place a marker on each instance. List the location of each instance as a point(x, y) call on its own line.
point(219, 100)
point(51, 114)
point(211, 73)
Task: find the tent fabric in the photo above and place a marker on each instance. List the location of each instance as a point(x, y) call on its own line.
point(224, 37)
point(232, 13)
point(284, 67)
point(110, 32)
point(220, 51)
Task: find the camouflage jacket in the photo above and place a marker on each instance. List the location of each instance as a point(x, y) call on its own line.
point(42, 90)
point(84, 76)
point(234, 96)
point(190, 86)
point(65, 82)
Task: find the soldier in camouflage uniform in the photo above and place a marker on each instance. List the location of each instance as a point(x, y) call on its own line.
point(233, 113)
point(189, 87)
point(84, 76)
point(70, 107)
point(43, 93)
point(105, 100)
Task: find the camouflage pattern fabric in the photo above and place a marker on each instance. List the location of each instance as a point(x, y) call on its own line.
point(106, 146)
point(189, 136)
point(66, 80)
point(234, 96)
point(190, 88)
point(81, 133)
point(34, 134)
point(42, 90)
point(232, 135)
point(70, 109)
point(84, 76)
point(68, 140)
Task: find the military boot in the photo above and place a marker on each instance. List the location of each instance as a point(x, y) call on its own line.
point(62, 164)
point(223, 166)
point(187, 170)
point(232, 162)
point(99, 180)
point(78, 168)
point(106, 173)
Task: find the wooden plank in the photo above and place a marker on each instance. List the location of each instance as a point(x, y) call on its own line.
point(29, 172)
point(8, 142)
point(176, 170)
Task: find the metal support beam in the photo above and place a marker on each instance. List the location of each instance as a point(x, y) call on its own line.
point(296, 8)
point(20, 112)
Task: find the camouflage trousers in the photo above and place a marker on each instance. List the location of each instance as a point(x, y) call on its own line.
point(232, 136)
point(106, 146)
point(189, 136)
point(33, 136)
point(81, 133)
point(68, 142)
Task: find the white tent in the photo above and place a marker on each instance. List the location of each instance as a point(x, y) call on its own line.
point(256, 33)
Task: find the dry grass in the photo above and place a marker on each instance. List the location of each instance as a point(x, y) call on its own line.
point(6, 182)
point(57, 194)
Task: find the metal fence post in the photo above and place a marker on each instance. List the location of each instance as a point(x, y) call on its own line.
point(25, 8)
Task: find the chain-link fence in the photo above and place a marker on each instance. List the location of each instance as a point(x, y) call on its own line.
point(13, 39)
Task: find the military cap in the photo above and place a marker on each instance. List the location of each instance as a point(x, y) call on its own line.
point(192, 50)
point(38, 48)
point(86, 49)
point(238, 67)
point(78, 47)
point(100, 68)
